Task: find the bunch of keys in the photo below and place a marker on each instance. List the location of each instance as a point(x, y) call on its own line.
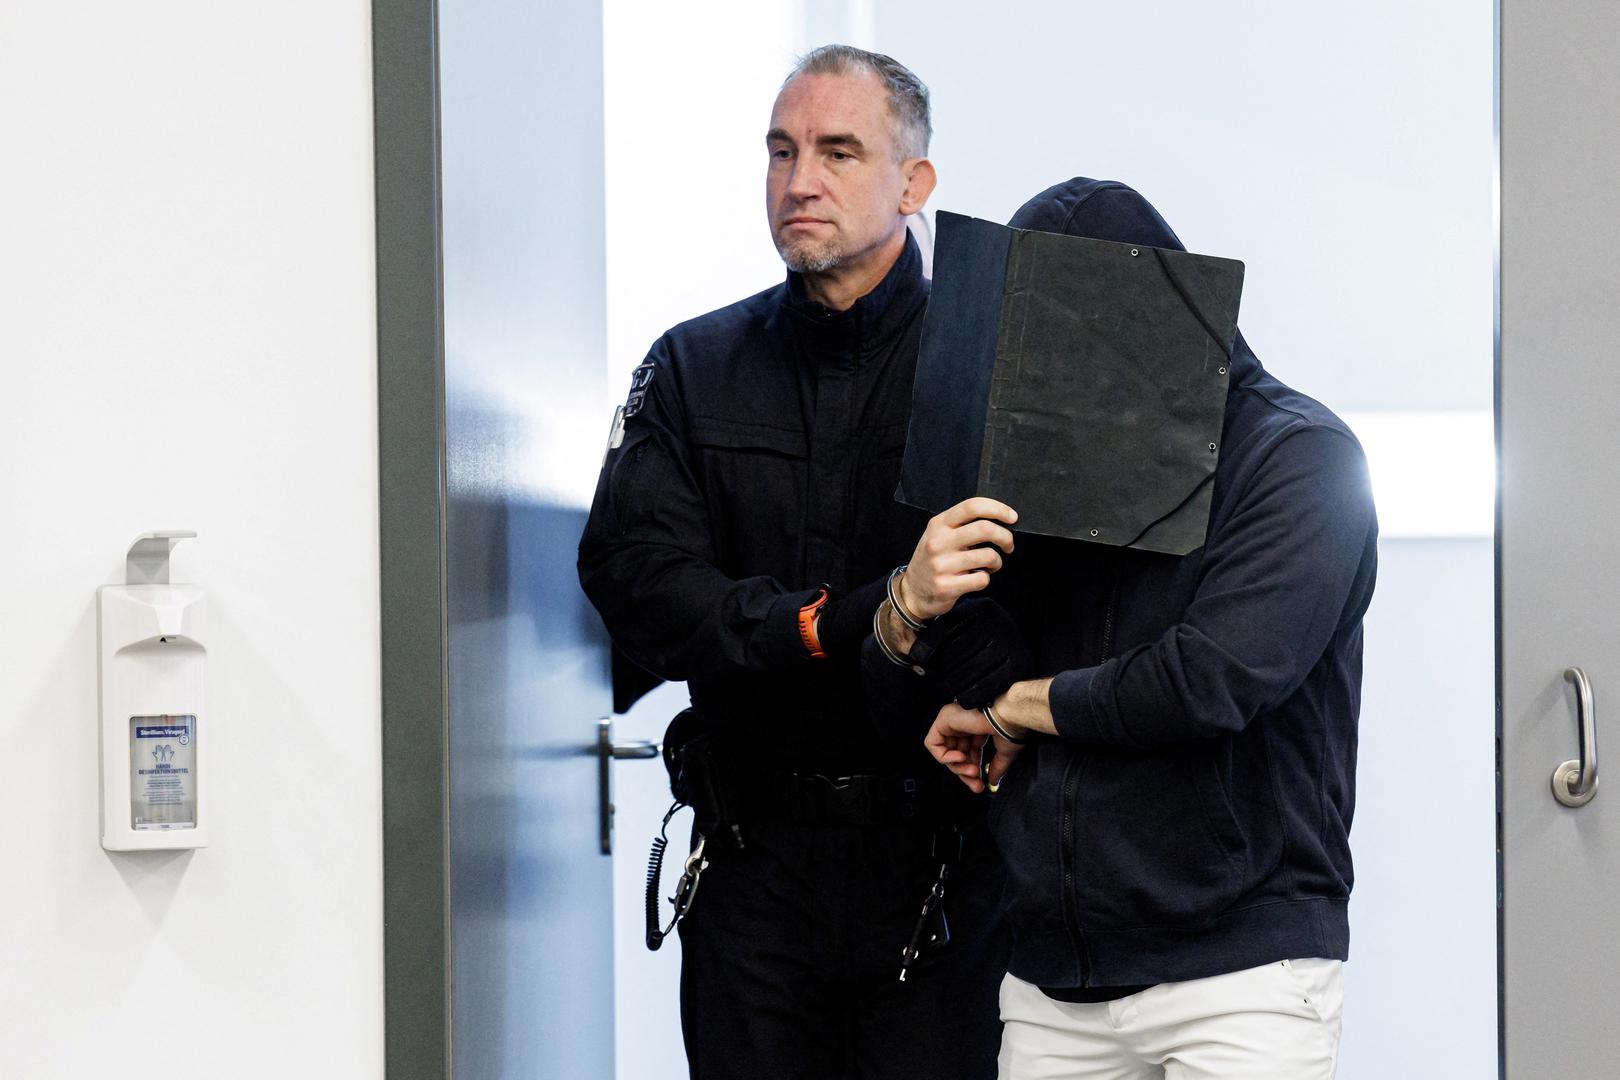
point(932, 930)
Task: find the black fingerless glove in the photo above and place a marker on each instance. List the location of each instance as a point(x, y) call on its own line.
point(847, 618)
point(974, 652)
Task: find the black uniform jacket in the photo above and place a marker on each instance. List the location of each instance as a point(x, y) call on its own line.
point(759, 462)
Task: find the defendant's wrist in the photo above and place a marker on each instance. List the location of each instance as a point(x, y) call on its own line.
point(895, 631)
point(1023, 708)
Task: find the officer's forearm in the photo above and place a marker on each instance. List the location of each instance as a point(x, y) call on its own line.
point(1025, 707)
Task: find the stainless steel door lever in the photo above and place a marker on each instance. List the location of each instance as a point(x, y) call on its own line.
point(607, 751)
point(1574, 783)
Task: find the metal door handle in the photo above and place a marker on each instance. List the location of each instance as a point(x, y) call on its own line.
point(607, 751)
point(1575, 782)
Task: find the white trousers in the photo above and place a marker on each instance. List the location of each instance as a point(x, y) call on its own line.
point(1276, 1022)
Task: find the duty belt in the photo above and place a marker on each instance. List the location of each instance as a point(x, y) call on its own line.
point(816, 799)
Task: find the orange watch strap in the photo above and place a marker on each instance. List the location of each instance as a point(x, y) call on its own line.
point(807, 625)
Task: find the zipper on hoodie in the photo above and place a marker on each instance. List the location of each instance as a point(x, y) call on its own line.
point(1071, 913)
point(1108, 625)
point(1071, 780)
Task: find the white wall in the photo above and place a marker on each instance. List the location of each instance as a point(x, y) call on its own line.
point(187, 341)
point(688, 95)
point(1425, 830)
point(1342, 150)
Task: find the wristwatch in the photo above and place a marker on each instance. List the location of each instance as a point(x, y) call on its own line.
point(807, 624)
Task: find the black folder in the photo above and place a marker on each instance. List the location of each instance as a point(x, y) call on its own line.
point(1079, 381)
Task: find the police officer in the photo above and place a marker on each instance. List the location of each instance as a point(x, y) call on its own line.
point(742, 537)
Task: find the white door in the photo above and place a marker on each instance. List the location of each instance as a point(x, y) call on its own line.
point(1559, 537)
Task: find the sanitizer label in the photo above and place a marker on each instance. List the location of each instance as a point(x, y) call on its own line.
point(163, 772)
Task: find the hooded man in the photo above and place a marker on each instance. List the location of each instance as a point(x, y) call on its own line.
point(1173, 774)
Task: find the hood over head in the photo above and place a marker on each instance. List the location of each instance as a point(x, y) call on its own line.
point(1109, 210)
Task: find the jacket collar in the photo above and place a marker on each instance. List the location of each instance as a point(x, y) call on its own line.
point(871, 319)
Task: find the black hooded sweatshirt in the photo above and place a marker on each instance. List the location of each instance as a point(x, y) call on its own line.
point(1192, 816)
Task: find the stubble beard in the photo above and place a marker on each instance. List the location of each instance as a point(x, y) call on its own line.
point(809, 257)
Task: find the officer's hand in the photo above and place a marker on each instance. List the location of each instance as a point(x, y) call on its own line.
point(949, 561)
point(957, 741)
point(973, 652)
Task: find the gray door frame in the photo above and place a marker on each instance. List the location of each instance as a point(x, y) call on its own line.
point(410, 422)
point(1558, 75)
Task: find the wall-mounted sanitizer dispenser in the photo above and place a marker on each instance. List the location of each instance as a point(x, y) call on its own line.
point(154, 724)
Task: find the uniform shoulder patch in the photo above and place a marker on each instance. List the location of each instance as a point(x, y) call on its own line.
point(640, 379)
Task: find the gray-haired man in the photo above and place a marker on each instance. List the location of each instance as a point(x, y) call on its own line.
point(743, 531)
